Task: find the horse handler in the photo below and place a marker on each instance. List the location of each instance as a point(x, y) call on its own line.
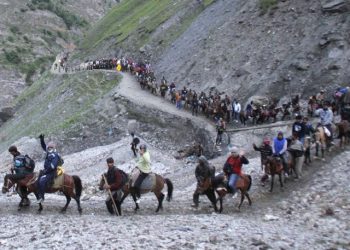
point(116, 179)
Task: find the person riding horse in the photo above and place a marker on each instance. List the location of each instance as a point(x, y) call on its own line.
point(20, 169)
point(279, 148)
point(144, 165)
point(326, 118)
point(203, 172)
point(265, 151)
point(233, 166)
point(116, 179)
point(51, 163)
point(299, 128)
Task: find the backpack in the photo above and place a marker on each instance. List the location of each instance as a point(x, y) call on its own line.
point(60, 160)
point(29, 163)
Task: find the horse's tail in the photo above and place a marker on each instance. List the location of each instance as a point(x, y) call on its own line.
point(78, 185)
point(170, 189)
point(250, 182)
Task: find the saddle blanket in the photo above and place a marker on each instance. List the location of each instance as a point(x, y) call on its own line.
point(148, 183)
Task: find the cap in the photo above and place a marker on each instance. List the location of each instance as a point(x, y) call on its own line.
point(110, 160)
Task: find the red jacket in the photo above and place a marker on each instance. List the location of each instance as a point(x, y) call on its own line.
point(235, 164)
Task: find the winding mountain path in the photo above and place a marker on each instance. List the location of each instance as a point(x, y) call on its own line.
point(130, 89)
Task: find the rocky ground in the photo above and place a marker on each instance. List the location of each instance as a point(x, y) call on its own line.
point(311, 213)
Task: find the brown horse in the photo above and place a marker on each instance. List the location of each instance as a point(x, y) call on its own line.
point(343, 133)
point(273, 166)
point(156, 188)
point(219, 185)
point(70, 186)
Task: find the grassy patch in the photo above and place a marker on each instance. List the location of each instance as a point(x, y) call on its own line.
point(55, 7)
point(266, 5)
point(138, 19)
point(51, 104)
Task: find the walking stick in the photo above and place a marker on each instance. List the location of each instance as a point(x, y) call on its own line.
point(111, 196)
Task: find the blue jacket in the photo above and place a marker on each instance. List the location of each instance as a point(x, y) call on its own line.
point(51, 163)
point(279, 146)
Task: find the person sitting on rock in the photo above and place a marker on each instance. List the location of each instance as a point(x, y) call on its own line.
point(47, 175)
point(233, 168)
point(144, 165)
point(203, 172)
point(265, 150)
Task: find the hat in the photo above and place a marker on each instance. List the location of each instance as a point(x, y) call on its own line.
point(280, 133)
point(51, 144)
point(266, 140)
point(234, 150)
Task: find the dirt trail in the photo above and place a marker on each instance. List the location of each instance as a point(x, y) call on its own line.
point(130, 89)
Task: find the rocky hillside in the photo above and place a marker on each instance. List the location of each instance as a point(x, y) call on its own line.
point(265, 47)
point(272, 48)
point(32, 33)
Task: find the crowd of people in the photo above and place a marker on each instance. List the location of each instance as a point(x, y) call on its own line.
point(291, 153)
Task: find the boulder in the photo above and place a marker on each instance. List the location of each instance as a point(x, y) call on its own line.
point(6, 113)
point(335, 6)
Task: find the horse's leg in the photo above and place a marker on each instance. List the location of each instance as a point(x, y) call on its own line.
point(272, 180)
point(134, 198)
point(242, 198)
point(80, 210)
point(317, 148)
point(248, 197)
point(280, 178)
point(160, 197)
point(68, 198)
point(211, 196)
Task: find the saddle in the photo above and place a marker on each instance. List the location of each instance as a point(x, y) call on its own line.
point(148, 183)
point(57, 183)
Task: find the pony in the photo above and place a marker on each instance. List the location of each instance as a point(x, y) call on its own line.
point(322, 140)
point(219, 185)
point(70, 186)
point(343, 133)
point(156, 188)
point(273, 166)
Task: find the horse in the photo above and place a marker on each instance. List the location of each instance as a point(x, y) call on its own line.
point(343, 133)
point(322, 140)
point(219, 185)
point(273, 166)
point(156, 188)
point(70, 186)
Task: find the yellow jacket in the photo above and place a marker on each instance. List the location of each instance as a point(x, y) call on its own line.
point(144, 163)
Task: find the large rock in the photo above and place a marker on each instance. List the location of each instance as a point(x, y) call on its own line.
point(6, 113)
point(335, 5)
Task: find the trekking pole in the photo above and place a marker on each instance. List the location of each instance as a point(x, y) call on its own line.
point(111, 196)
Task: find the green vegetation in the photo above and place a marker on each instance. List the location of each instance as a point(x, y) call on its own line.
point(12, 57)
point(14, 29)
point(29, 69)
point(52, 106)
point(265, 5)
point(55, 7)
point(138, 18)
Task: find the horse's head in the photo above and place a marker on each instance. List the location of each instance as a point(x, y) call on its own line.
point(102, 182)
